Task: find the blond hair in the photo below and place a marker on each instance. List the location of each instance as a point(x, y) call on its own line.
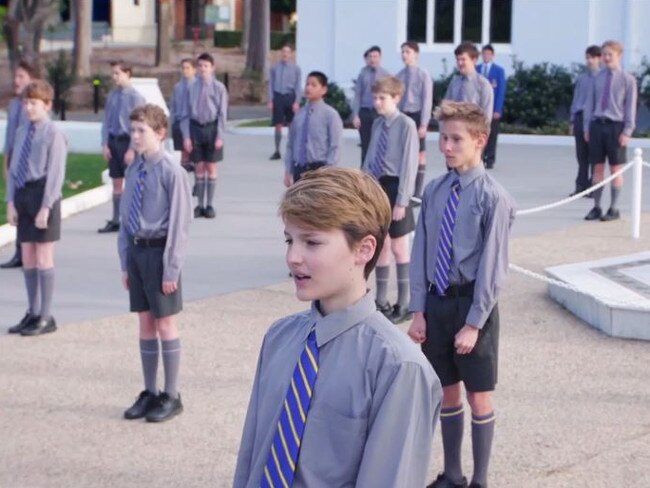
point(613, 45)
point(150, 114)
point(391, 85)
point(332, 198)
point(466, 112)
point(39, 90)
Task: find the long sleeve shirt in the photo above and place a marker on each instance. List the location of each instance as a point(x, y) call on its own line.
point(480, 240)
point(363, 87)
point(47, 159)
point(580, 92)
point(418, 93)
point(123, 101)
point(15, 118)
point(402, 151)
point(621, 105)
point(285, 77)
point(213, 109)
point(496, 75)
point(166, 210)
point(177, 103)
point(324, 133)
point(472, 88)
point(373, 411)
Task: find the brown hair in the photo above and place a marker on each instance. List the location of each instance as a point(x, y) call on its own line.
point(39, 90)
point(124, 66)
point(411, 45)
point(332, 198)
point(466, 112)
point(389, 84)
point(27, 68)
point(189, 61)
point(466, 47)
point(150, 114)
point(613, 45)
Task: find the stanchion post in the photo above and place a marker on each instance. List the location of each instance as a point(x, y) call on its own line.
point(637, 175)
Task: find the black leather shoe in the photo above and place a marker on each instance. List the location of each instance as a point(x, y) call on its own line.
point(612, 214)
point(109, 227)
point(28, 320)
point(142, 406)
point(275, 156)
point(594, 214)
point(443, 482)
point(198, 212)
point(209, 212)
point(39, 328)
point(384, 308)
point(14, 262)
point(165, 407)
point(400, 314)
point(476, 485)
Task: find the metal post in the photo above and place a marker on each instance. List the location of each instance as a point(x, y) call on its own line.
point(96, 83)
point(637, 175)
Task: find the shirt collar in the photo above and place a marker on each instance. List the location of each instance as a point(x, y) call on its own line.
point(468, 177)
point(470, 76)
point(330, 326)
point(388, 120)
point(316, 104)
point(152, 159)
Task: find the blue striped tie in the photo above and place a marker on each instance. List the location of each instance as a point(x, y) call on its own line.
point(376, 164)
point(446, 239)
point(133, 225)
point(280, 467)
point(302, 156)
point(23, 161)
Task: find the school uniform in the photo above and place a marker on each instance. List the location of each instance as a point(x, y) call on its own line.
point(363, 105)
point(204, 118)
point(472, 88)
point(583, 178)
point(372, 411)
point(314, 139)
point(176, 107)
point(417, 101)
point(284, 89)
point(394, 163)
point(117, 126)
point(152, 242)
point(496, 75)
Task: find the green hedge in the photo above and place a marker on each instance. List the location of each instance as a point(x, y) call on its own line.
point(227, 38)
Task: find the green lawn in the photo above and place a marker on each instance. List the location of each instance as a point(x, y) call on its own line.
point(256, 123)
point(83, 172)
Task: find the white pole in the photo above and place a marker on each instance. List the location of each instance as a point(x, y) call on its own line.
point(637, 174)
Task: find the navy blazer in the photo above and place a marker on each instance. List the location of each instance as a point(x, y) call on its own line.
point(497, 78)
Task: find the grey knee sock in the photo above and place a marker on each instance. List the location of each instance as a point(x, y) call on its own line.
point(212, 186)
point(598, 194)
point(403, 285)
point(278, 139)
point(615, 193)
point(149, 357)
point(482, 435)
point(419, 181)
point(171, 352)
point(116, 207)
point(200, 189)
point(381, 277)
point(46, 286)
point(31, 285)
point(451, 423)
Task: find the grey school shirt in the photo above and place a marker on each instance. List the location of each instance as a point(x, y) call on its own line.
point(166, 210)
point(402, 151)
point(177, 103)
point(580, 92)
point(324, 133)
point(215, 110)
point(47, 159)
point(418, 93)
point(480, 240)
point(284, 78)
point(622, 100)
point(376, 402)
point(472, 88)
point(363, 87)
point(15, 118)
point(124, 101)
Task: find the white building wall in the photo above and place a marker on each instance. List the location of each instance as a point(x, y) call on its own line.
point(133, 24)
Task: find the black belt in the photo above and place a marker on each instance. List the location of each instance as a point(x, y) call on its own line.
point(199, 124)
point(605, 120)
point(455, 291)
point(31, 183)
point(142, 242)
point(119, 137)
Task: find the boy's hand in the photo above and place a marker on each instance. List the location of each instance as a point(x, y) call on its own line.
point(41, 218)
point(623, 139)
point(288, 179)
point(169, 287)
point(106, 152)
point(465, 339)
point(12, 215)
point(399, 212)
point(356, 122)
point(218, 144)
point(295, 107)
point(422, 132)
point(418, 329)
point(129, 156)
point(125, 280)
point(187, 144)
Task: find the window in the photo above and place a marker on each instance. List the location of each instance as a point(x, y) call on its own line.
point(454, 21)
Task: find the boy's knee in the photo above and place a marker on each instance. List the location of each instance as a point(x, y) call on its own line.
point(480, 402)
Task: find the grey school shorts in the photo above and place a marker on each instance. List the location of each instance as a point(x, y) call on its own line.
point(203, 138)
point(145, 270)
point(118, 145)
point(27, 201)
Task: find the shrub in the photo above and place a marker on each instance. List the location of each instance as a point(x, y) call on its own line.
point(336, 98)
point(61, 77)
point(227, 38)
point(280, 38)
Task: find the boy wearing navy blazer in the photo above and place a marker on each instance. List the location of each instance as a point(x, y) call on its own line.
point(496, 75)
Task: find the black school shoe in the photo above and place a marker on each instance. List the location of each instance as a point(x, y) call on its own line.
point(109, 227)
point(443, 482)
point(209, 212)
point(142, 406)
point(275, 156)
point(385, 308)
point(14, 262)
point(612, 214)
point(198, 212)
point(28, 320)
point(594, 214)
point(400, 314)
point(40, 327)
point(164, 408)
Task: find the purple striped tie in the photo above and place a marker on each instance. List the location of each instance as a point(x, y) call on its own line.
point(445, 240)
point(302, 154)
point(23, 161)
point(604, 101)
point(376, 165)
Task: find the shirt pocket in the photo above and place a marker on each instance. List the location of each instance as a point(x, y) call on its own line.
point(468, 223)
point(336, 443)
